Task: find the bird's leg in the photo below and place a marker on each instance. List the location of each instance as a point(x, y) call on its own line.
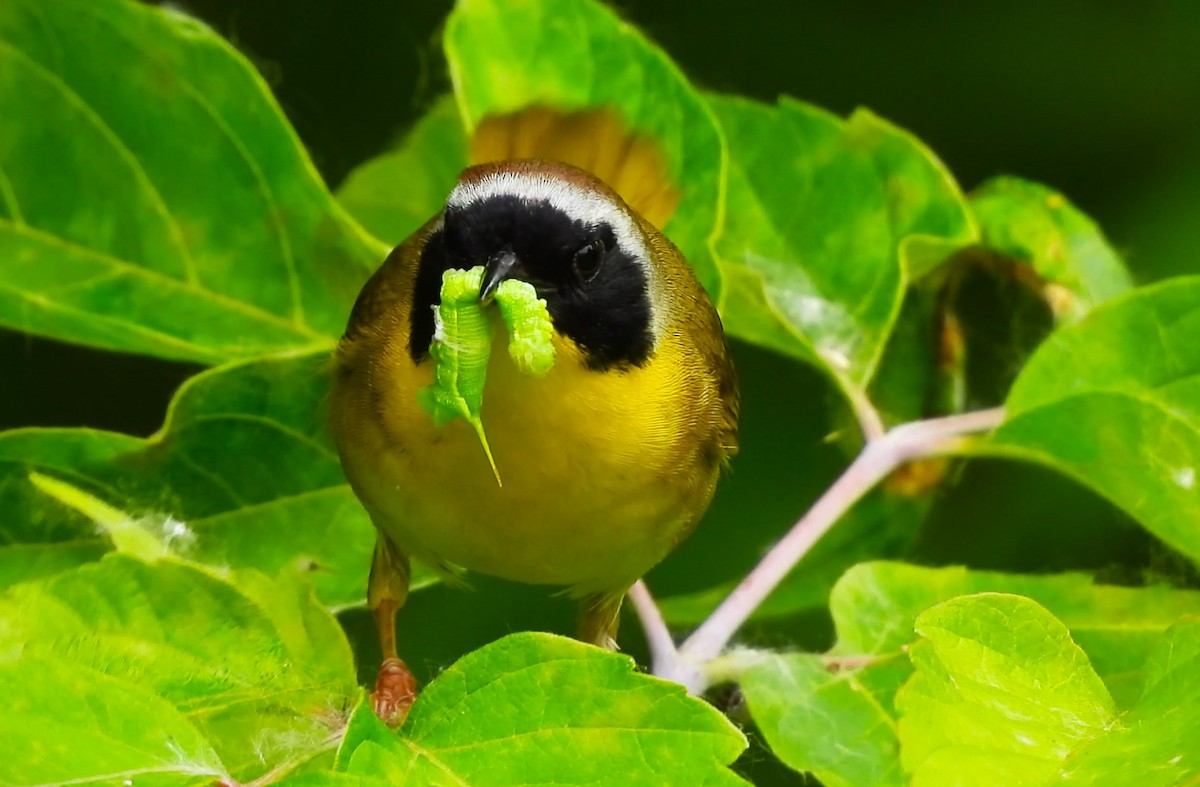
point(599, 618)
point(395, 687)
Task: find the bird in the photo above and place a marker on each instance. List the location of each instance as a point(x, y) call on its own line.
point(608, 462)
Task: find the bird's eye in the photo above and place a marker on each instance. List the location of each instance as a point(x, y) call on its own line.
point(587, 260)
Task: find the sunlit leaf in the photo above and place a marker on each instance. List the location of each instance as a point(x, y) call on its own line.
point(241, 475)
point(810, 714)
point(822, 216)
point(539, 709)
point(794, 698)
point(1034, 224)
point(263, 676)
point(65, 723)
point(333, 779)
point(929, 215)
point(875, 607)
point(1000, 692)
point(1114, 402)
point(1158, 741)
point(160, 204)
point(807, 217)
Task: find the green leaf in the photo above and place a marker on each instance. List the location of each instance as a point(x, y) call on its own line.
point(1114, 402)
point(255, 664)
point(1036, 225)
point(795, 698)
point(822, 216)
point(64, 723)
point(37, 539)
point(397, 192)
point(820, 721)
point(806, 215)
point(875, 607)
point(213, 238)
point(241, 475)
point(1157, 743)
point(540, 709)
point(331, 779)
point(507, 55)
point(129, 536)
point(362, 727)
point(1000, 692)
point(929, 215)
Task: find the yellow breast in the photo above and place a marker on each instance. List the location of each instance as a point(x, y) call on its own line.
point(603, 472)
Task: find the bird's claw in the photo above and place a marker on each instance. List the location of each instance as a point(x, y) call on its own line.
point(395, 691)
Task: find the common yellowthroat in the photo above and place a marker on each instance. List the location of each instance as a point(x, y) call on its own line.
point(607, 462)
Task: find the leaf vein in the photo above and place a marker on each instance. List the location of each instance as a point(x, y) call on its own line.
point(122, 150)
point(9, 197)
point(160, 279)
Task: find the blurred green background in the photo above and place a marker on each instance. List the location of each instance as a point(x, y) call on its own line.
point(1100, 101)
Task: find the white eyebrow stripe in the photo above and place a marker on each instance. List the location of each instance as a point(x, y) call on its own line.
point(584, 206)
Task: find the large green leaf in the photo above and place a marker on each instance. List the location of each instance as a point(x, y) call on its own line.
point(241, 475)
point(65, 723)
point(506, 55)
point(1034, 224)
point(1114, 401)
point(875, 607)
point(395, 193)
point(1158, 741)
point(334, 779)
point(818, 721)
point(1001, 695)
point(256, 666)
point(821, 215)
point(794, 698)
point(159, 204)
point(258, 680)
point(540, 709)
point(927, 211)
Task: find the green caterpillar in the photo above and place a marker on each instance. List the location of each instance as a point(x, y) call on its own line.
point(530, 332)
point(462, 344)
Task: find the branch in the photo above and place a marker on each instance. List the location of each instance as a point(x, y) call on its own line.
point(878, 459)
point(658, 636)
point(665, 660)
point(868, 417)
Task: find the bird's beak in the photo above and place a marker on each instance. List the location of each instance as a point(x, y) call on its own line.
point(497, 269)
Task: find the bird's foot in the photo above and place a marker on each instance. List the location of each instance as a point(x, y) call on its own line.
point(395, 691)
